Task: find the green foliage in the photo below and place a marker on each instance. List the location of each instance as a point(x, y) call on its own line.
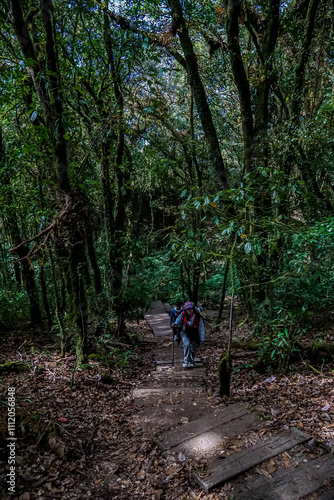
point(154, 277)
point(211, 289)
point(13, 301)
point(179, 227)
point(278, 349)
point(112, 356)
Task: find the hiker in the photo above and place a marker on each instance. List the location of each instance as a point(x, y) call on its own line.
point(192, 332)
point(176, 311)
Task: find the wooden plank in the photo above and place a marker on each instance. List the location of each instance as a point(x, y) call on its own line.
point(210, 442)
point(183, 380)
point(179, 374)
point(221, 470)
point(150, 391)
point(174, 384)
point(176, 370)
point(219, 417)
point(156, 307)
point(168, 361)
point(294, 483)
point(168, 307)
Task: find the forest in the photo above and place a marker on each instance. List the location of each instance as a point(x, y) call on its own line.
point(161, 151)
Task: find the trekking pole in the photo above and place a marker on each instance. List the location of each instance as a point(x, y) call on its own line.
point(173, 347)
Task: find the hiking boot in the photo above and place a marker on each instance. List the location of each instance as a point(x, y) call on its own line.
point(185, 365)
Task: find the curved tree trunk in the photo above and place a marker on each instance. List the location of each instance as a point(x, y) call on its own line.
point(197, 87)
point(117, 248)
point(47, 87)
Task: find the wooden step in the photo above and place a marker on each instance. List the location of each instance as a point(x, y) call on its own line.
point(177, 369)
point(149, 391)
point(177, 361)
point(174, 382)
point(221, 470)
point(168, 307)
point(294, 483)
point(162, 414)
point(209, 443)
point(196, 373)
point(220, 417)
point(156, 307)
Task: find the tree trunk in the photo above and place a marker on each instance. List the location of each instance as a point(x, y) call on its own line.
point(222, 299)
point(47, 87)
point(225, 365)
point(93, 262)
point(117, 249)
point(59, 307)
point(195, 82)
point(45, 296)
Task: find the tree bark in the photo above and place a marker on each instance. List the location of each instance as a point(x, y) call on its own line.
point(117, 248)
point(222, 299)
point(195, 82)
point(47, 86)
point(45, 296)
point(303, 58)
point(241, 80)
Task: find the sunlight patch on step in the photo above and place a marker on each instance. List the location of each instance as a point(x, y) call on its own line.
point(203, 443)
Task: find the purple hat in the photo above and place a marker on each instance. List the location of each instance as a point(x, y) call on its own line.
point(189, 305)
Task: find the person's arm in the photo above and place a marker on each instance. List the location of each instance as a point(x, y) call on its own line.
point(171, 317)
point(178, 321)
point(201, 330)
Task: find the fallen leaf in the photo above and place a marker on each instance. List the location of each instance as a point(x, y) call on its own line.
point(25, 496)
point(263, 473)
point(271, 467)
point(286, 460)
point(57, 446)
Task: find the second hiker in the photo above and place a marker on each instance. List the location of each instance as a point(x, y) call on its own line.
point(176, 311)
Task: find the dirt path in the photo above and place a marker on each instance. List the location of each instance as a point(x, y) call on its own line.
point(174, 408)
point(153, 431)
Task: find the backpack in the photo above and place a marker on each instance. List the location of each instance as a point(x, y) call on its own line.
point(192, 331)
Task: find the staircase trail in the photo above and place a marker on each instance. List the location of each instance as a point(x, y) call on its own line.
point(174, 408)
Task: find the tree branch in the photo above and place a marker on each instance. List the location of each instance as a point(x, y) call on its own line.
point(304, 55)
point(152, 38)
point(34, 238)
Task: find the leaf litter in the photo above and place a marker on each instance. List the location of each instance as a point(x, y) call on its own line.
point(82, 442)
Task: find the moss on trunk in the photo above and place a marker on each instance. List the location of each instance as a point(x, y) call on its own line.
point(224, 374)
point(14, 366)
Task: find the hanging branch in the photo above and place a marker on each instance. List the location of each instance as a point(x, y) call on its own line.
point(153, 39)
point(34, 238)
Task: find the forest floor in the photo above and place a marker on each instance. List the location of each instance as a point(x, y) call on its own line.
point(80, 442)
